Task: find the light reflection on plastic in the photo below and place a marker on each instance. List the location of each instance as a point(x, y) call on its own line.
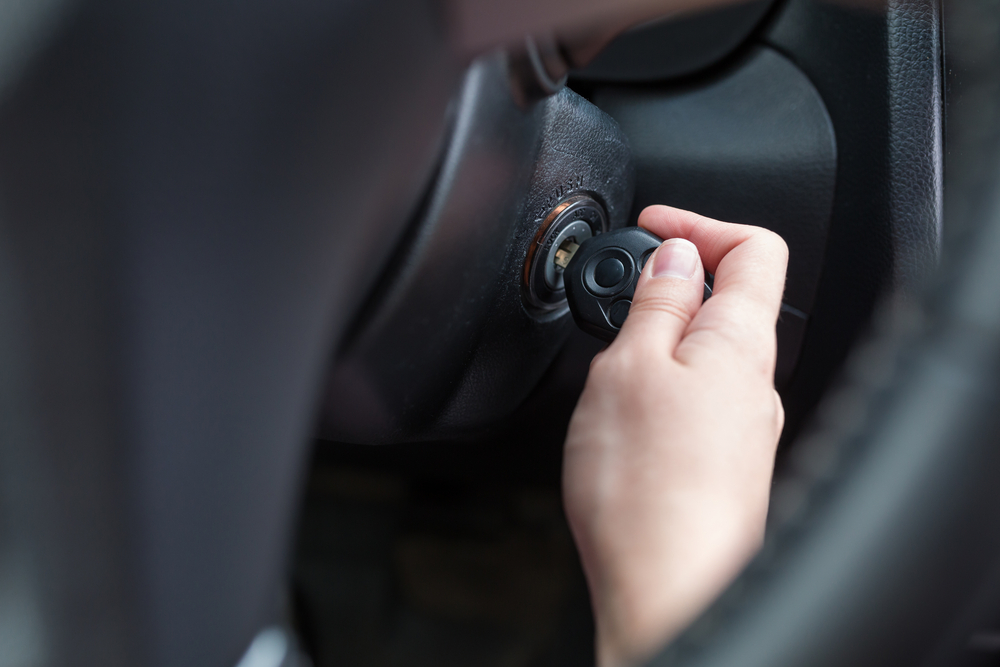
point(268, 649)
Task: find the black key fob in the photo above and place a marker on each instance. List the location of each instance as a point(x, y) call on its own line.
point(601, 276)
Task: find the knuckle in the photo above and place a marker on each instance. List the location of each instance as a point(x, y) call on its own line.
point(763, 363)
point(773, 243)
point(615, 362)
point(758, 356)
point(664, 303)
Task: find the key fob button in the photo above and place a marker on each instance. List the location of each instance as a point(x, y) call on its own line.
point(645, 258)
point(609, 272)
point(618, 312)
point(602, 276)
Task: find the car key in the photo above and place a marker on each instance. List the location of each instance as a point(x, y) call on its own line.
point(601, 274)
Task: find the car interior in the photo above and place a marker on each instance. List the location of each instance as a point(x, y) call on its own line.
point(287, 361)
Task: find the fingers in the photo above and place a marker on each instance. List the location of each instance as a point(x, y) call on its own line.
point(667, 296)
point(749, 265)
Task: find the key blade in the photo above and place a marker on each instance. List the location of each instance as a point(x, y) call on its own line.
point(565, 254)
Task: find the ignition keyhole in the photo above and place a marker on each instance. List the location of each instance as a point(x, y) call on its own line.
point(569, 224)
point(565, 253)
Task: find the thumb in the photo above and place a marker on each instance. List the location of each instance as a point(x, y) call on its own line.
point(669, 293)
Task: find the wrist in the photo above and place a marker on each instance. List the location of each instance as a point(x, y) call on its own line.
point(640, 608)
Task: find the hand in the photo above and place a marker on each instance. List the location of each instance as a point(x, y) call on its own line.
point(670, 451)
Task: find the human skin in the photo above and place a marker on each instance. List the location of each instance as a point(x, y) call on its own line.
point(670, 451)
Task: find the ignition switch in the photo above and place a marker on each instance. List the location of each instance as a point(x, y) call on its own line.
point(570, 223)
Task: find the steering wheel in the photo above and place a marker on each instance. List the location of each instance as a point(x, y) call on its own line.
point(196, 202)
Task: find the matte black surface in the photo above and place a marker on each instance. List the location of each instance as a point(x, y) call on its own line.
point(879, 79)
point(447, 345)
point(436, 556)
point(676, 45)
point(753, 146)
point(791, 329)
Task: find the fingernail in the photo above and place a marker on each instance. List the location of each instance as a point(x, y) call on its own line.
point(676, 258)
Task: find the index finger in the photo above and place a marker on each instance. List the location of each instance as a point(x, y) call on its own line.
point(749, 265)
